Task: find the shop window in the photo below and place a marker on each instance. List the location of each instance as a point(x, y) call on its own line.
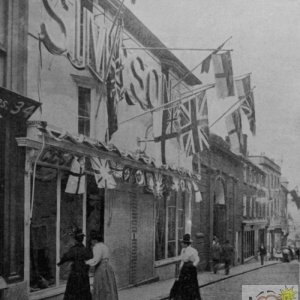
point(84, 110)
point(170, 225)
point(43, 231)
point(55, 215)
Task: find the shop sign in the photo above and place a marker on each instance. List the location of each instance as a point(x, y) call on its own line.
point(80, 33)
point(15, 105)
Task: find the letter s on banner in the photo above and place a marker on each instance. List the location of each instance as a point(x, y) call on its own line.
point(45, 37)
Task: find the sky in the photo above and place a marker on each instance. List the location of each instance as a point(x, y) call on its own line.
point(265, 41)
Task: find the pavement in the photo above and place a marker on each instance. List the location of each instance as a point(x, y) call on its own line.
point(160, 290)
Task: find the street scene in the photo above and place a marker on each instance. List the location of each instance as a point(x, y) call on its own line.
point(149, 150)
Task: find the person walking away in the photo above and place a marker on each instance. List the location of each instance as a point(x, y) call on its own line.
point(104, 287)
point(78, 284)
point(187, 287)
point(262, 252)
point(215, 254)
point(227, 252)
point(298, 253)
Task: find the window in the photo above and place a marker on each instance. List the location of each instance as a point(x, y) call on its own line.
point(84, 111)
point(244, 206)
point(250, 206)
point(170, 225)
point(55, 215)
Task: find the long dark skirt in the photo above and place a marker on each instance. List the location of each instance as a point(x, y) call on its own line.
point(186, 288)
point(78, 286)
point(104, 287)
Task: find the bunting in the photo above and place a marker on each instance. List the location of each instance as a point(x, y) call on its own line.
point(223, 74)
point(76, 180)
point(103, 173)
point(244, 91)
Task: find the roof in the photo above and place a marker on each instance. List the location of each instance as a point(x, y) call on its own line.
point(133, 25)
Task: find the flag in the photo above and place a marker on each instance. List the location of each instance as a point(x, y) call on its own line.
point(245, 94)
point(76, 180)
point(103, 173)
point(194, 124)
point(206, 64)
point(223, 74)
point(166, 122)
point(115, 90)
point(234, 128)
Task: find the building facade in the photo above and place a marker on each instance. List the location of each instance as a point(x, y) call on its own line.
point(145, 203)
point(276, 206)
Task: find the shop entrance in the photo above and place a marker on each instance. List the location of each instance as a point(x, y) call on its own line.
point(219, 224)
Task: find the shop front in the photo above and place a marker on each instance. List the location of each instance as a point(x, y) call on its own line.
point(141, 210)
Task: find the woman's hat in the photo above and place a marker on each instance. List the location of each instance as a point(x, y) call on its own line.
point(77, 232)
point(186, 238)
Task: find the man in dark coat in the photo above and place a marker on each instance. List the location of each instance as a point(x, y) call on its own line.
point(215, 254)
point(227, 252)
point(78, 284)
point(262, 252)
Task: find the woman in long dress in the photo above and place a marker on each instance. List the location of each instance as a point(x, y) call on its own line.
point(78, 284)
point(104, 287)
point(187, 287)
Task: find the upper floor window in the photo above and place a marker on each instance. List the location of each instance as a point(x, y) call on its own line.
point(244, 206)
point(84, 110)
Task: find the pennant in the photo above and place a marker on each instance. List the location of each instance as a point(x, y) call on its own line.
point(223, 74)
point(115, 89)
point(194, 124)
point(244, 91)
point(103, 174)
point(76, 180)
point(198, 196)
point(234, 128)
point(206, 65)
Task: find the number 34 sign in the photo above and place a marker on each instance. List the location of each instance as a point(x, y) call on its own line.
point(13, 104)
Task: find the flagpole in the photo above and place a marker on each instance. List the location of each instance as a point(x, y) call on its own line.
point(240, 100)
point(205, 87)
point(175, 49)
point(106, 71)
point(197, 66)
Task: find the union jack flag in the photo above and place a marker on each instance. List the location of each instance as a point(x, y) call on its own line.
point(194, 124)
point(115, 88)
point(103, 173)
point(245, 94)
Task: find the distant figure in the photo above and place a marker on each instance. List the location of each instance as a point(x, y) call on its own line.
point(78, 284)
point(216, 254)
point(298, 253)
point(227, 251)
point(187, 287)
point(262, 252)
point(104, 287)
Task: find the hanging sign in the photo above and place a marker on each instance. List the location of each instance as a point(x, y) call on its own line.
point(15, 105)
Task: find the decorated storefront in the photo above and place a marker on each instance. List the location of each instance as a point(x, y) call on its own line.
point(74, 181)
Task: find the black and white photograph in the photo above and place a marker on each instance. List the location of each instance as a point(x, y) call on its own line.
point(149, 149)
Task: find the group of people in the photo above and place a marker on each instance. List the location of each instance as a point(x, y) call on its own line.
point(78, 284)
point(219, 253)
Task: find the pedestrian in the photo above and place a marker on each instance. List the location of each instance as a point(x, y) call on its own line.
point(215, 254)
point(298, 253)
point(187, 287)
point(227, 252)
point(262, 252)
point(78, 284)
point(104, 287)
